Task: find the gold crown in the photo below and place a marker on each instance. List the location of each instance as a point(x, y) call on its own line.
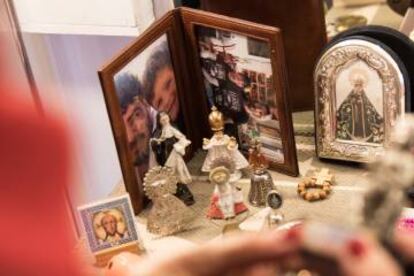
point(216, 120)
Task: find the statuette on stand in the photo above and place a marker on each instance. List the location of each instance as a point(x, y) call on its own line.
point(168, 214)
point(275, 201)
point(221, 145)
point(168, 149)
point(227, 199)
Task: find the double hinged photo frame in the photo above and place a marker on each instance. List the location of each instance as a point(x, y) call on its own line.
point(137, 86)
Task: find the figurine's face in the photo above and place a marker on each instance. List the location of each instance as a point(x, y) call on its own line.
point(220, 177)
point(164, 120)
point(359, 86)
point(219, 134)
point(109, 224)
point(165, 92)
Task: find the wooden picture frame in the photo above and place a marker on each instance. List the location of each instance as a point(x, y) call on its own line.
point(167, 26)
point(360, 94)
point(295, 18)
point(177, 26)
point(193, 19)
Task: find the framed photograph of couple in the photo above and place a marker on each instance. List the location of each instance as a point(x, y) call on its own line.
point(360, 94)
point(242, 73)
point(139, 83)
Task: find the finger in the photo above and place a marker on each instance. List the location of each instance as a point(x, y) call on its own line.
point(242, 251)
point(404, 244)
point(363, 255)
point(353, 253)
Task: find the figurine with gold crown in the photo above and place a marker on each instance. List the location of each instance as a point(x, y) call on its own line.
point(222, 146)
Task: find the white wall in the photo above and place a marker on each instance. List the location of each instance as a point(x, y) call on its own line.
point(65, 68)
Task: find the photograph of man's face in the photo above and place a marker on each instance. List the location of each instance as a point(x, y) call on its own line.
point(238, 79)
point(144, 87)
point(137, 119)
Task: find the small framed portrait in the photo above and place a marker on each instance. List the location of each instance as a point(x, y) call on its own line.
point(241, 57)
point(109, 224)
point(360, 94)
point(142, 81)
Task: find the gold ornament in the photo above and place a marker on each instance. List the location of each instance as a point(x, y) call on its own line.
point(216, 120)
point(168, 214)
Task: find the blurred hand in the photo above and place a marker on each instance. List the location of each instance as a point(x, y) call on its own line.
point(404, 244)
point(248, 254)
point(362, 255)
point(268, 254)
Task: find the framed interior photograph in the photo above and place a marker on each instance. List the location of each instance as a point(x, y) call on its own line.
point(139, 83)
point(109, 227)
point(241, 71)
point(360, 94)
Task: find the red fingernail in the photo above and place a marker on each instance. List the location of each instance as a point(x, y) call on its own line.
point(356, 248)
point(293, 233)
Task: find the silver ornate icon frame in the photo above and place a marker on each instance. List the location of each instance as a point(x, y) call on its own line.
point(340, 56)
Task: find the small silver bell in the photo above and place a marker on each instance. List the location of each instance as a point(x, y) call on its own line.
point(261, 183)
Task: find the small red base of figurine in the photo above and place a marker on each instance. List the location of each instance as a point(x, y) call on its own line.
point(214, 211)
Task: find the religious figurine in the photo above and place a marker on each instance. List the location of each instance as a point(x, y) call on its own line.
point(168, 146)
point(403, 138)
point(275, 201)
point(227, 199)
point(222, 145)
point(357, 117)
point(392, 176)
point(261, 182)
point(168, 214)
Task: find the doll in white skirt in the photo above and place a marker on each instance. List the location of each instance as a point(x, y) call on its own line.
point(222, 146)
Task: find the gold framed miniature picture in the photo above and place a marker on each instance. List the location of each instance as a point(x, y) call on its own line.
point(360, 94)
point(109, 228)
